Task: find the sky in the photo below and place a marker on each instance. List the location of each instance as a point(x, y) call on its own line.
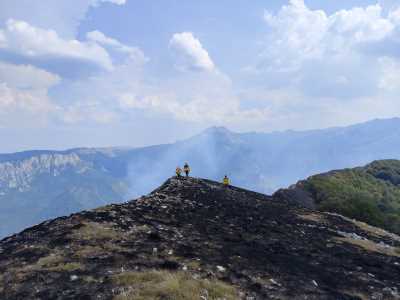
point(97, 73)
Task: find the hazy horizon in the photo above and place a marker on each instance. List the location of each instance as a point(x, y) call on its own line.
point(50, 148)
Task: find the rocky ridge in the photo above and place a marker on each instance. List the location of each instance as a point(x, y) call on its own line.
point(224, 242)
point(20, 174)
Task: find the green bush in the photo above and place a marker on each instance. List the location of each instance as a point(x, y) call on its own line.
point(370, 194)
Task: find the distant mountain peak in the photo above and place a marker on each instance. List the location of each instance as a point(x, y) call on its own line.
point(218, 130)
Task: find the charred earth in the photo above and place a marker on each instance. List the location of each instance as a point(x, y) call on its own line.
point(196, 239)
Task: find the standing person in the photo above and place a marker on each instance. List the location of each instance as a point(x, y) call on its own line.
point(178, 172)
point(186, 169)
point(226, 181)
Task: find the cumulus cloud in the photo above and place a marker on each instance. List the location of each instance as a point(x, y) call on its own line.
point(198, 98)
point(32, 42)
point(133, 52)
point(299, 33)
point(336, 55)
point(25, 88)
point(26, 76)
point(64, 16)
point(194, 56)
point(320, 69)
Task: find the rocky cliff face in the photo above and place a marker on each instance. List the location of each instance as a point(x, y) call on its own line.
point(196, 239)
point(38, 185)
point(20, 174)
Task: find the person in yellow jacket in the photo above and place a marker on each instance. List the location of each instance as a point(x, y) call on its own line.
point(186, 169)
point(226, 181)
point(178, 172)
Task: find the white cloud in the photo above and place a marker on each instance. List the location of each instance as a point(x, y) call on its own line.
point(390, 79)
point(194, 55)
point(361, 24)
point(394, 16)
point(3, 43)
point(319, 69)
point(33, 42)
point(134, 53)
point(26, 76)
point(64, 16)
point(34, 100)
point(299, 33)
point(198, 98)
point(87, 112)
point(308, 49)
point(118, 2)
point(25, 88)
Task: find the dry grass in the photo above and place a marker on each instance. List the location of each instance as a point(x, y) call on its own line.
point(361, 296)
point(52, 263)
point(375, 231)
point(89, 251)
point(89, 279)
point(194, 265)
point(1, 283)
point(371, 246)
point(56, 263)
point(378, 232)
point(318, 218)
point(97, 231)
point(49, 260)
point(67, 267)
point(162, 285)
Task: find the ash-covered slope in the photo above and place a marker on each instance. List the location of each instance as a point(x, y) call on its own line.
point(194, 238)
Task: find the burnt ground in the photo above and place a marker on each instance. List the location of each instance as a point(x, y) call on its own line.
point(265, 248)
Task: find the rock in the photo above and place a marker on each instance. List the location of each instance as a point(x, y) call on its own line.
point(221, 269)
point(273, 281)
point(73, 277)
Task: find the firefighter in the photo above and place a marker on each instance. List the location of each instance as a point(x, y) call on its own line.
point(186, 169)
point(226, 180)
point(178, 172)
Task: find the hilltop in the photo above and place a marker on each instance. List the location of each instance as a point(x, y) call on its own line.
point(193, 238)
point(370, 194)
point(38, 185)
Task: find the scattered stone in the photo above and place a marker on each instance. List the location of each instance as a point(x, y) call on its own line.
point(273, 281)
point(221, 269)
point(73, 277)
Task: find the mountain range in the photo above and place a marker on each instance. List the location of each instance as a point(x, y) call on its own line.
point(38, 185)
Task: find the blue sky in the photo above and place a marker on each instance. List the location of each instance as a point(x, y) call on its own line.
point(127, 72)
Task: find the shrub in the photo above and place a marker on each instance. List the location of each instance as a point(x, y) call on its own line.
point(368, 194)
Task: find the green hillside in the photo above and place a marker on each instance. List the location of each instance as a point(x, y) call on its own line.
point(370, 194)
